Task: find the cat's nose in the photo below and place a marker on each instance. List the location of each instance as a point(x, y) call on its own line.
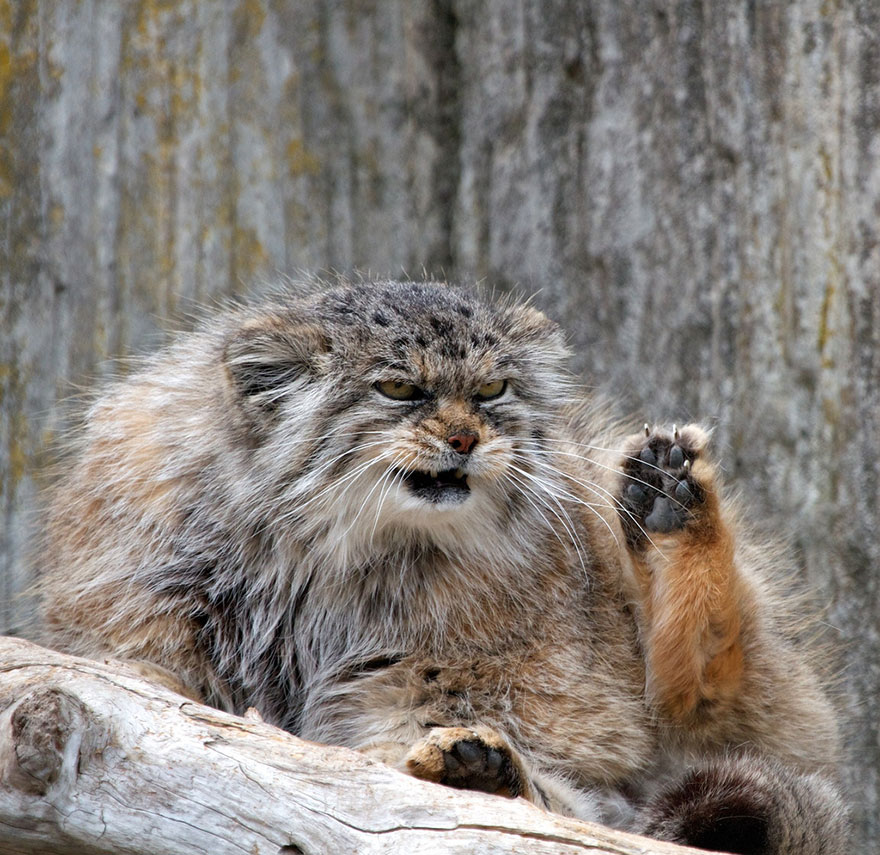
point(463, 442)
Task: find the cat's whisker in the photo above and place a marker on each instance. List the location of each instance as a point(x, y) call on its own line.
point(372, 490)
point(394, 476)
point(593, 508)
point(615, 470)
point(313, 474)
point(569, 525)
point(597, 489)
point(570, 496)
point(527, 492)
point(326, 464)
point(334, 486)
point(592, 460)
point(617, 505)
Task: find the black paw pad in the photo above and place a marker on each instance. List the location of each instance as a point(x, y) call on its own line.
point(659, 492)
point(471, 764)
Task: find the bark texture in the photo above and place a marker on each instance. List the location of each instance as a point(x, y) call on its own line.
point(94, 761)
point(692, 187)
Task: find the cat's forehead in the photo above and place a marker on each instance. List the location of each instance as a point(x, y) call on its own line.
point(445, 337)
point(433, 309)
point(422, 325)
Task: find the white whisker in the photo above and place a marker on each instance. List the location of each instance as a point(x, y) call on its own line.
point(369, 494)
point(333, 487)
point(599, 448)
point(528, 492)
point(396, 478)
point(617, 503)
point(551, 493)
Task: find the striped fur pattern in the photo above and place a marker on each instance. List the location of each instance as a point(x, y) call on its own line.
point(383, 514)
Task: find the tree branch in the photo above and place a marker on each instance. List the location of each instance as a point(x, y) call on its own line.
point(93, 759)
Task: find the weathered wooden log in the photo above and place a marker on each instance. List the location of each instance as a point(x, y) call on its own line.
point(94, 759)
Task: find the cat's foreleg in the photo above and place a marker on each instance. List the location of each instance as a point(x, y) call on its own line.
point(682, 550)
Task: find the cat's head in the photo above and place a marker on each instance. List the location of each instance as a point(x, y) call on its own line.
point(419, 406)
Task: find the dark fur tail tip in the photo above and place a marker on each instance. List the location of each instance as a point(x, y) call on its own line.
point(750, 806)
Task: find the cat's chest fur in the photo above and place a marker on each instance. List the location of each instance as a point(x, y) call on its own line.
point(534, 658)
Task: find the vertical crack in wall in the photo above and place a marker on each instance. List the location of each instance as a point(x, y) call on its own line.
point(442, 53)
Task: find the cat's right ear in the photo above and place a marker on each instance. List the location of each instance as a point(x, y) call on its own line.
point(267, 359)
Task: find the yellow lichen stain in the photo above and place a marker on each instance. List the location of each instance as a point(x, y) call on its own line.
point(168, 90)
point(5, 374)
point(56, 214)
point(18, 462)
point(20, 83)
point(186, 90)
point(250, 257)
point(6, 74)
point(830, 411)
point(12, 394)
point(178, 103)
point(316, 54)
point(5, 121)
point(835, 269)
point(56, 72)
point(249, 18)
point(827, 164)
point(780, 301)
point(824, 326)
point(150, 14)
point(300, 161)
point(8, 71)
point(45, 454)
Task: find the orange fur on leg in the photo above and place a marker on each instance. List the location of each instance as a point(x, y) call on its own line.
point(683, 555)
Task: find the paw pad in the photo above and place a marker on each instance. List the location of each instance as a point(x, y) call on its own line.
point(466, 759)
point(660, 493)
point(473, 765)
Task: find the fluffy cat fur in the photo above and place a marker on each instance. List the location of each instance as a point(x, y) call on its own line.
point(382, 514)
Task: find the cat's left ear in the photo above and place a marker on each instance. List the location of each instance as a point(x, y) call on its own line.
point(533, 328)
point(267, 359)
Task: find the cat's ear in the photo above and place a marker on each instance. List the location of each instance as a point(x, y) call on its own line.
point(267, 359)
point(533, 328)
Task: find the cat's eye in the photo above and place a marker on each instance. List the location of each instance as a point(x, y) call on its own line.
point(400, 391)
point(495, 389)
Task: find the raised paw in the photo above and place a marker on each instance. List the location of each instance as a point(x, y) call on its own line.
point(666, 481)
point(469, 759)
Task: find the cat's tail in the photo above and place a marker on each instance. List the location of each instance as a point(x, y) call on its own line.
point(749, 805)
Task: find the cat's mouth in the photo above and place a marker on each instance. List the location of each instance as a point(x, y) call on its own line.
point(448, 485)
